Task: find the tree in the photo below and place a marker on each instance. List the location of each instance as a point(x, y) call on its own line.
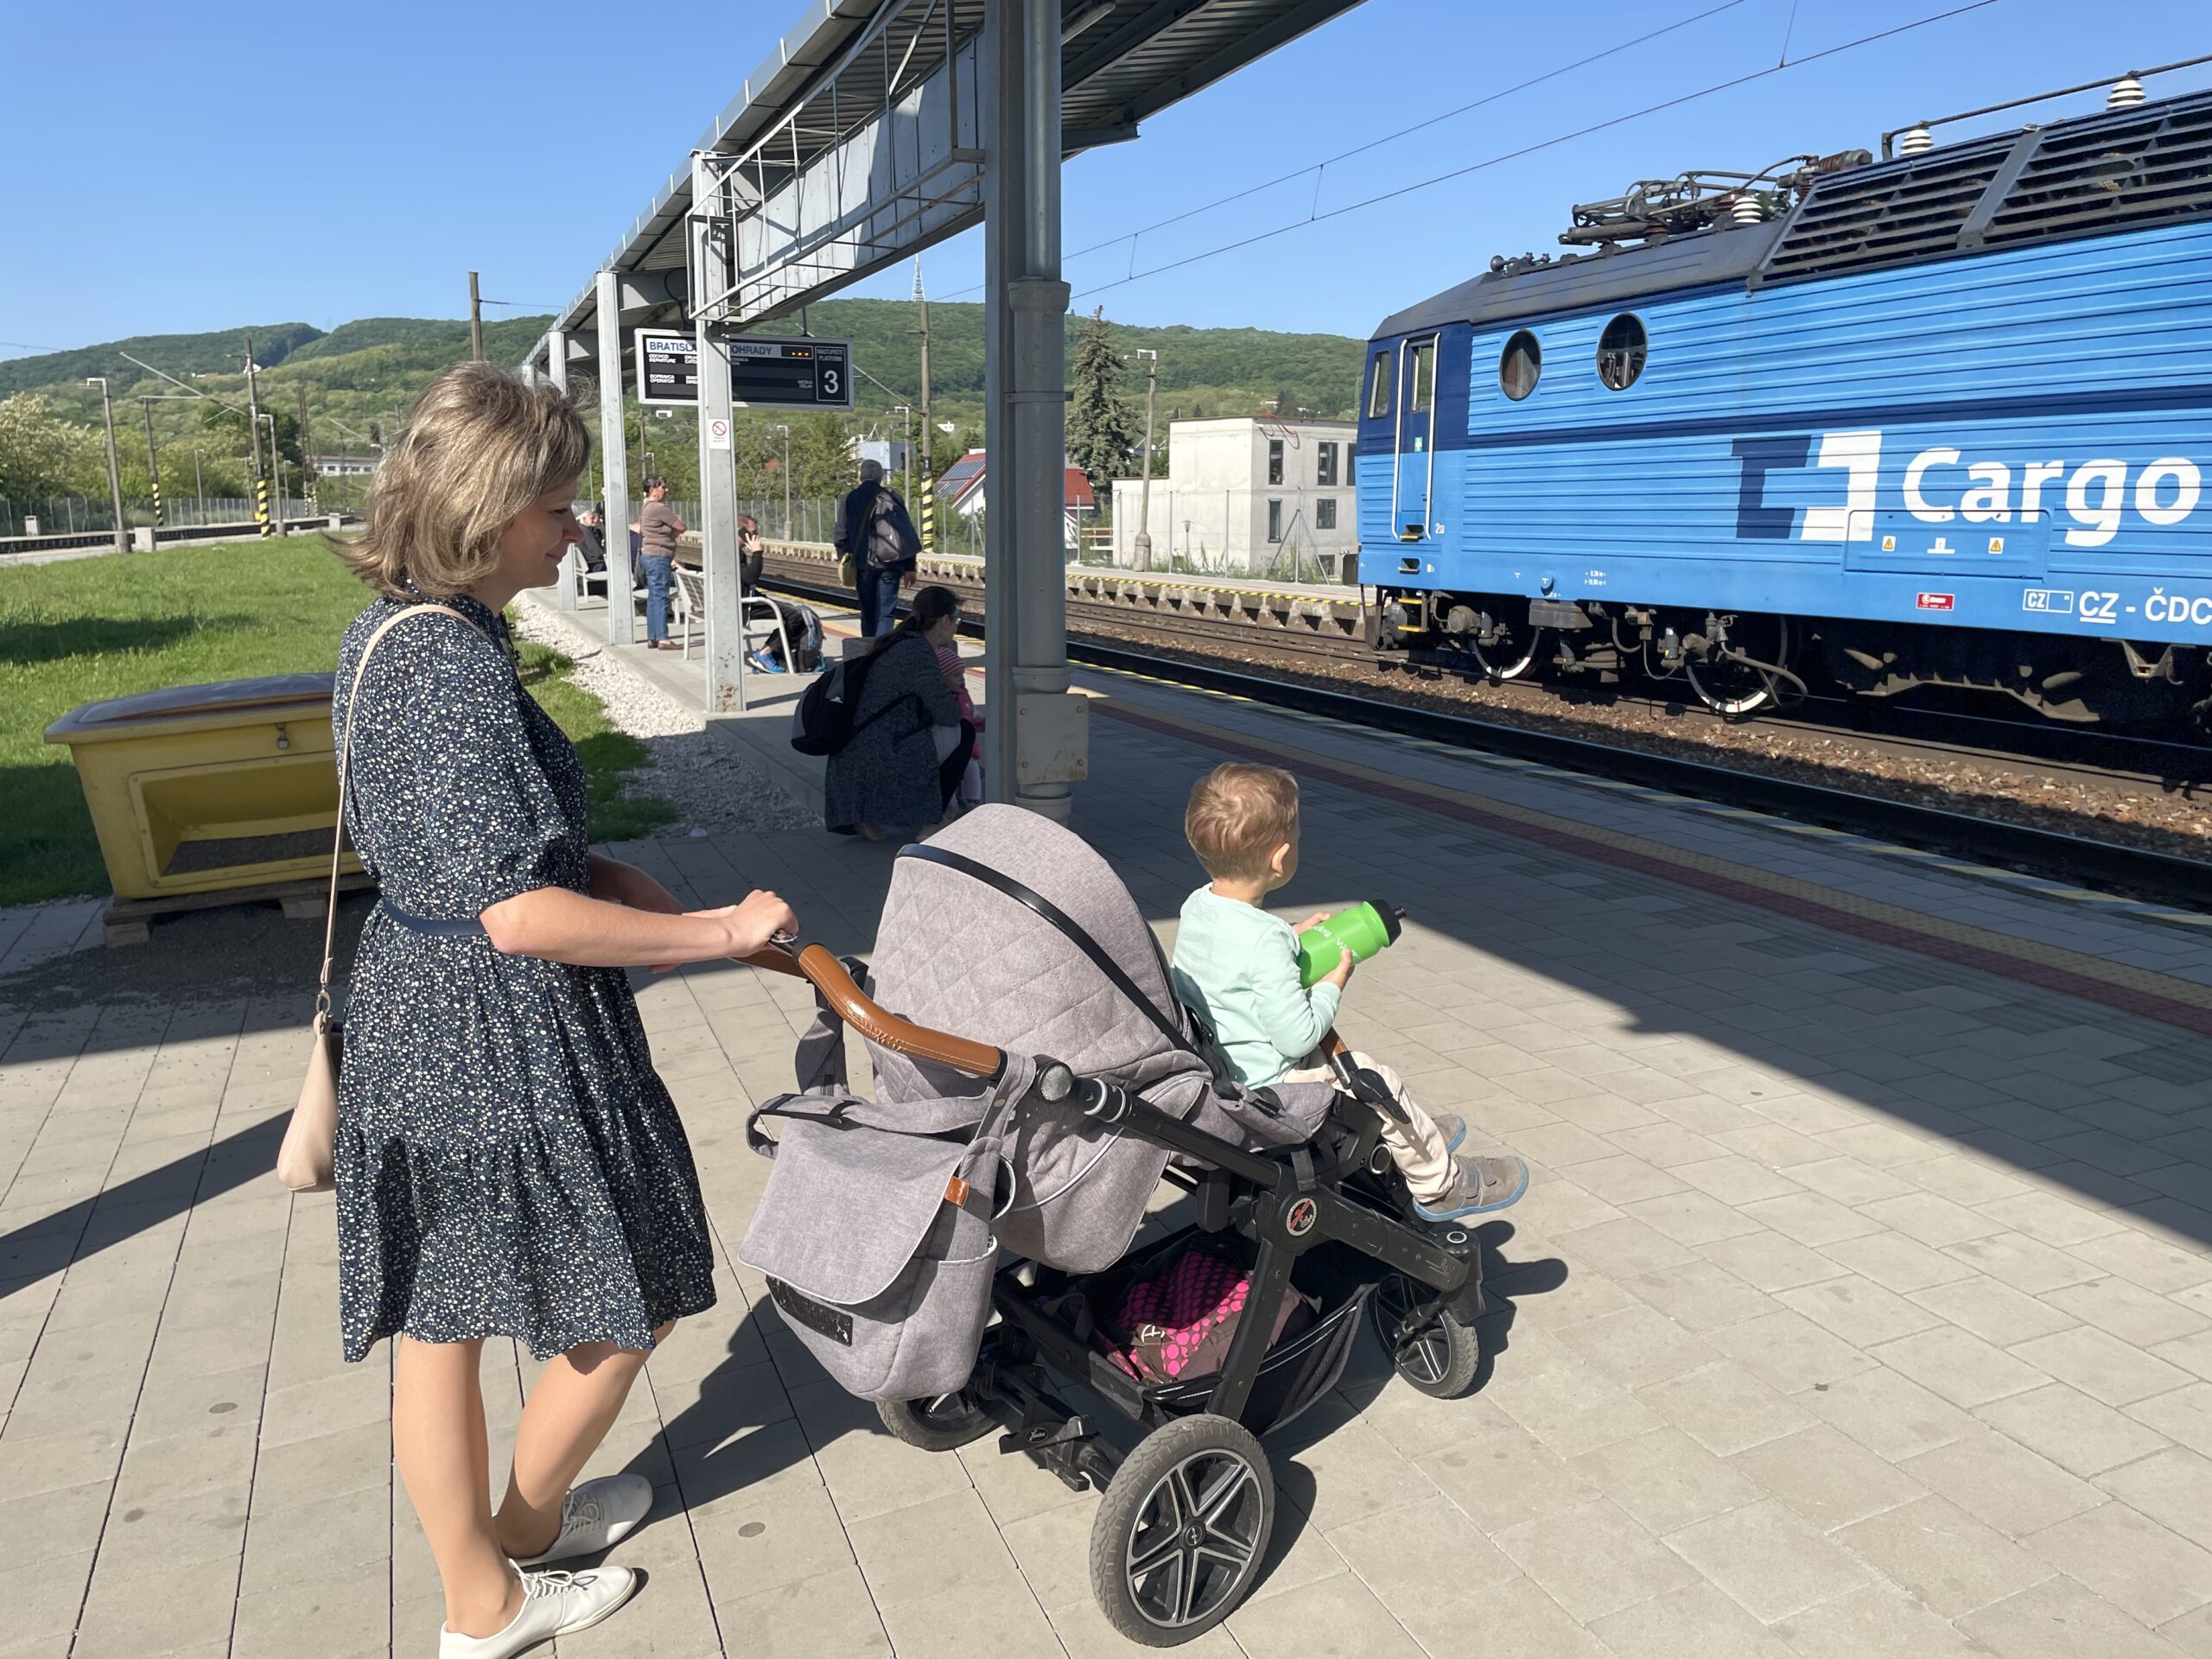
point(42, 455)
point(216, 418)
point(1102, 432)
point(823, 459)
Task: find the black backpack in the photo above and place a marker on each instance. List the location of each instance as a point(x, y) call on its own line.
point(822, 723)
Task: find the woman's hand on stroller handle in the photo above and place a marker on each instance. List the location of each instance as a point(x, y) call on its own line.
point(761, 920)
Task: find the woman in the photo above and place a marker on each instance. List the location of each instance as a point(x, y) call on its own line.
point(909, 744)
point(752, 554)
point(508, 1163)
point(657, 528)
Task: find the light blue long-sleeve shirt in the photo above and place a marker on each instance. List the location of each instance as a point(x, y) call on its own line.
point(1236, 968)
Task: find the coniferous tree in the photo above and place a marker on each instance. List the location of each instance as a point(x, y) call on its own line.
point(1102, 432)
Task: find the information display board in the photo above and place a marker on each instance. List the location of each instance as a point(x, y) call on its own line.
point(763, 373)
point(790, 373)
point(668, 367)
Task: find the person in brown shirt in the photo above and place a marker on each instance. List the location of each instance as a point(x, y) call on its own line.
point(657, 527)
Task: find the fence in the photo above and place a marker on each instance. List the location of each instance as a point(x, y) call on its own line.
point(73, 515)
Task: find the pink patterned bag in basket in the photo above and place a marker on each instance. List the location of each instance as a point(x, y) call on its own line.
point(1178, 1324)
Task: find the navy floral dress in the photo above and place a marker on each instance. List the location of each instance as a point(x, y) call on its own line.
point(508, 1162)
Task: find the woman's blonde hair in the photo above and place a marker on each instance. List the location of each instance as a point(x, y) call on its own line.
point(479, 446)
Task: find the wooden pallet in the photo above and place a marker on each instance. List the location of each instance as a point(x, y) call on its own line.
point(131, 921)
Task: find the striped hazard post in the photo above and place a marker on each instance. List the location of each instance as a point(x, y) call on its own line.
point(158, 519)
point(928, 505)
point(261, 506)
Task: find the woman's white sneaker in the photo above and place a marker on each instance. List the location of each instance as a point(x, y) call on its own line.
point(553, 1604)
point(594, 1516)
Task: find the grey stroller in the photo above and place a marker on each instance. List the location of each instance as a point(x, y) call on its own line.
point(962, 1249)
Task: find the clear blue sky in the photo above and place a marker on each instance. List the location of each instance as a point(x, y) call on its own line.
point(201, 167)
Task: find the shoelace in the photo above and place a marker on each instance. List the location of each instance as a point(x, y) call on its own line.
point(550, 1582)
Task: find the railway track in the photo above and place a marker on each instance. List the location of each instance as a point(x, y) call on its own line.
point(2031, 748)
point(1095, 639)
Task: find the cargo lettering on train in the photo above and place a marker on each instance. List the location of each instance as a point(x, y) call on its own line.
point(1940, 486)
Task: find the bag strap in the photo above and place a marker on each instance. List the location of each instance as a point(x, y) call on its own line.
point(345, 753)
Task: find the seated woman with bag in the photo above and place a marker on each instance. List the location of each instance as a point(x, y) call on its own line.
point(909, 744)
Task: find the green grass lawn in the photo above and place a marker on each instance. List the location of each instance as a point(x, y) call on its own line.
point(84, 630)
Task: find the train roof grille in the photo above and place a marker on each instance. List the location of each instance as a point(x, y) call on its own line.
point(1875, 217)
point(2130, 169)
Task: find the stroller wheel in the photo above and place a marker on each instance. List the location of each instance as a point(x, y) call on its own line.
point(945, 1424)
point(1179, 1538)
point(1432, 1350)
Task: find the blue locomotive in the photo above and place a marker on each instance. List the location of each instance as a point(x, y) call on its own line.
point(1944, 418)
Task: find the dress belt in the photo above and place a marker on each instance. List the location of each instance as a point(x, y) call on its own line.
point(458, 928)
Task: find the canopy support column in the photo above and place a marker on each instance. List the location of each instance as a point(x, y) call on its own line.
point(570, 586)
point(1038, 734)
point(615, 455)
point(710, 274)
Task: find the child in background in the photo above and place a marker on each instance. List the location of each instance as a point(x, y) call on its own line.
point(955, 676)
point(1236, 968)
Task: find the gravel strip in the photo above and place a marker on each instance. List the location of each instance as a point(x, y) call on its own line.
point(716, 789)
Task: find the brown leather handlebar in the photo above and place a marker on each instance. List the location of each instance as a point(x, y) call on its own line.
point(818, 965)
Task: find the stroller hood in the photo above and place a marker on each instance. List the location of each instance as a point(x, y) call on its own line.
point(1007, 929)
point(971, 941)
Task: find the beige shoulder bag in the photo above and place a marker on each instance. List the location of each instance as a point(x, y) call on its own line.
point(305, 1160)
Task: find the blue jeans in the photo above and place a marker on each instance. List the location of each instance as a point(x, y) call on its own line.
point(660, 576)
point(878, 587)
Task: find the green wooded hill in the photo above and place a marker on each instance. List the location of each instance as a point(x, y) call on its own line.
point(376, 365)
point(366, 373)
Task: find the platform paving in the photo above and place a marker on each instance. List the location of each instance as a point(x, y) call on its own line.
point(1861, 1305)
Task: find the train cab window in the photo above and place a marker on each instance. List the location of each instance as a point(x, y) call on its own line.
point(1378, 386)
point(1424, 378)
point(1621, 351)
point(1520, 366)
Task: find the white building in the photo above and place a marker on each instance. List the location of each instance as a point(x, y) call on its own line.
point(1249, 495)
point(344, 466)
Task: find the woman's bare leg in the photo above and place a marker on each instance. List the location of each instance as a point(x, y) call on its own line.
point(577, 1399)
point(439, 1442)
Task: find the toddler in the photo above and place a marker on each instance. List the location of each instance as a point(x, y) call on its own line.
point(1236, 968)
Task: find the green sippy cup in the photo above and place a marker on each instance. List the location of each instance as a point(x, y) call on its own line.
point(1359, 933)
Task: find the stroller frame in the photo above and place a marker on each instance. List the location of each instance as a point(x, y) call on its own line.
point(1181, 1536)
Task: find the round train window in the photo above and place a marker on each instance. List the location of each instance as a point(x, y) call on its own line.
point(1520, 366)
point(1621, 351)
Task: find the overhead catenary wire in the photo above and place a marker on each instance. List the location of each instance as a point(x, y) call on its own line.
point(1676, 102)
point(1319, 168)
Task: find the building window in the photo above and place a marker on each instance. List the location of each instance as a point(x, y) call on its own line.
point(1325, 466)
point(1275, 460)
point(1520, 366)
point(1378, 386)
point(1621, 351)
point(1324, 513)
point(1274, 520)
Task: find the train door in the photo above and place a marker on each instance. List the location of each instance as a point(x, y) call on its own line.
point(1416, 440)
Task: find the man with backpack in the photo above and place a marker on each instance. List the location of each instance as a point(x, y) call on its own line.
point(876, 536)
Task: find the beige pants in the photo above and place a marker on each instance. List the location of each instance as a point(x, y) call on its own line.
point(1417, 1146)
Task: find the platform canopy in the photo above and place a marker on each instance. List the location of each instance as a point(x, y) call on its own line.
point(858, 143)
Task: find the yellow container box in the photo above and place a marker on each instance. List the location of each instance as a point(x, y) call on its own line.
point(205, 788)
